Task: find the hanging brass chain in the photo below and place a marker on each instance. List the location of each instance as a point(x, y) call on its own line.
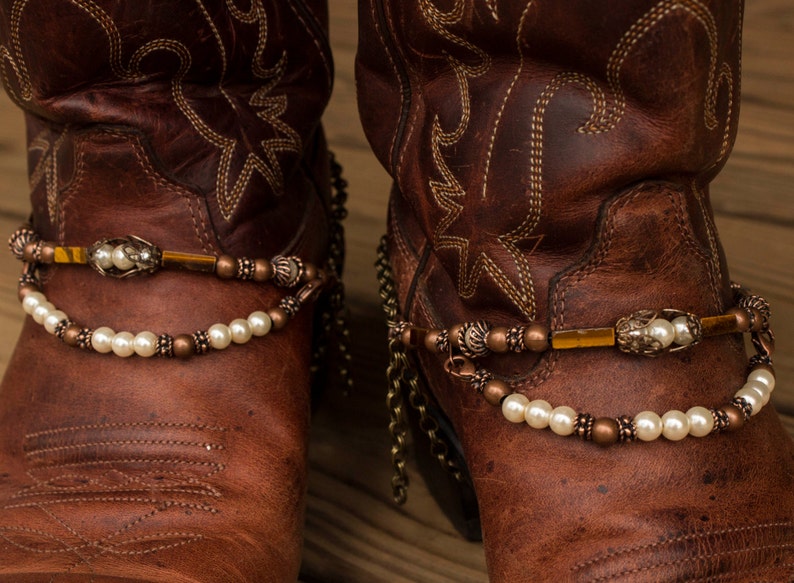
point(333, 317)
point(402, 380)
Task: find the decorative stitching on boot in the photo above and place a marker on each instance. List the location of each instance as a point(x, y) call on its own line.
point(684, 538)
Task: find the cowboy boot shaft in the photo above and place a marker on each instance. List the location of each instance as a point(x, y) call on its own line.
point(195, 126)
point(225, 100)
point(545, 110)
point(551, 163)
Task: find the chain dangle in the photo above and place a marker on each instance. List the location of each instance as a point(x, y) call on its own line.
point(333, 315)
point(404, 385)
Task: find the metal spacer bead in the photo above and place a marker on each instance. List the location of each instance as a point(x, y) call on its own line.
point(165, 346)
point(201, 341)
point(479, 379)
point(472, 339)
point(442, 342)
point(515, 338)
point(19, 240)
point(721, 421)
point(757, 359)
point(627, 431)
point(84, 339)
point(396, 330)
point(583, 426)
point(245, 268)
point(743, 406)
point(290, 305)
point(60, 328)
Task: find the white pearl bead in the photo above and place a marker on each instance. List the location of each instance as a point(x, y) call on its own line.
point(145, 344)
point(53, 319)
point(682, 336)
point(537, 414)
point(759, 388)
point(513, 407)
point(260, 323)
point(120, 260)
point(752, 397)
point(41, 312)
point(662, 331)
point(123, 344)
point(220, 336)
point(103, 256)
point(701, 422)
point(102, 339)
point(675, 425)
point(649, 425)
point(241, 331)
point(561, 420)
point(31, 301)
point(763, 376)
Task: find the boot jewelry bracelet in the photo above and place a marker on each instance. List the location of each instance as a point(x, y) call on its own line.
point(128, 256)
point(649, 333)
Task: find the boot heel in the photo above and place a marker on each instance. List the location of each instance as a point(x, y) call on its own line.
point(440, 460)
point(439, 455)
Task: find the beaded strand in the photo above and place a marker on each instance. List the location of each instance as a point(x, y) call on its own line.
point(646, 332)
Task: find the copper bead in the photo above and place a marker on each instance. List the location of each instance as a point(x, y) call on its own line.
point(735, 417)
point(742, 319)
point(494, 391)
point(536, 338)
point(405, 337)
point(47, 253)
point(496, 340)
point(25, 289)
point(226, 267)
point(309, 272)
point(184, 346)
point(605, 431)
point(454, 335)
point(71, 335)
point(29, 252)
point(430, 340)
point(279, 318)
point(263, 270)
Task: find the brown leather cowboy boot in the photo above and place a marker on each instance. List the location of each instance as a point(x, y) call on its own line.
point(194, 126)
point(550, 224)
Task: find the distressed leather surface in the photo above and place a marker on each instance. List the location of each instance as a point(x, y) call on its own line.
point(194, 125)
point(551, 162)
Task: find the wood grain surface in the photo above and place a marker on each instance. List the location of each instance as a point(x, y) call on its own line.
point(354, 533)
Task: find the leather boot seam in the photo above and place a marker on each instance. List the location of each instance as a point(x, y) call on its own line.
point(681, 538)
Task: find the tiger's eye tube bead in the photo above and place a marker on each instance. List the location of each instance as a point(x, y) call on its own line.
point(183, 346)
point(495, 391)
point(742, 318)
point(226, 267)
point(496, 340)
point(279, 318)
point(605, 431)
point(263, 270)
point(536, 338)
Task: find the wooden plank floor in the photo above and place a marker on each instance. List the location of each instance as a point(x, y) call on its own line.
point(354, 534)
